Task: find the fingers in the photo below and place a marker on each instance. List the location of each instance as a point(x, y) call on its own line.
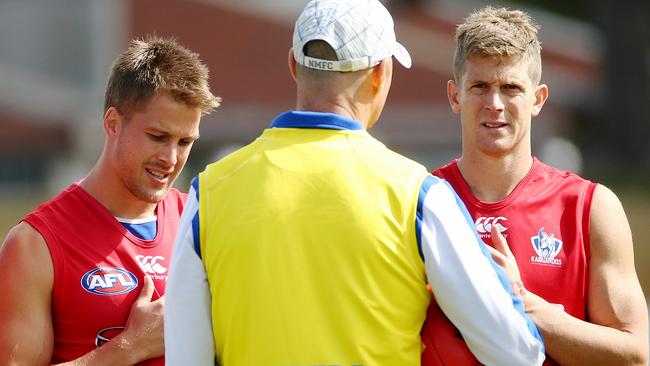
point(498, 257)
point(500, 242)
point(147, 289)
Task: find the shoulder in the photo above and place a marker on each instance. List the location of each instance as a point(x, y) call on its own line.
point(55, 202)
point(556, 183)
point(239, 157)
point(605, 196)
point(174, 194)
point(388, 164)
point(609, 230)
point(395, 157)
point(437, 194)
point(557, 174)
point(24, 233)
point(447, 169)
point(605, 204)
point(25, 253)
point(175, 199)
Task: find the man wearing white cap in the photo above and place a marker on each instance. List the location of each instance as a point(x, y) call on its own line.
point(313, 244)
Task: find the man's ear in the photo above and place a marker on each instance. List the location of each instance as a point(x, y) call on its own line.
point(379, 75)
point(292, 65)
point(452, 96)
point(112, 121)
point(541, 95)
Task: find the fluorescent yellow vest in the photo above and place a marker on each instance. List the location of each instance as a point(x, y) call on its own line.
point(308, 240)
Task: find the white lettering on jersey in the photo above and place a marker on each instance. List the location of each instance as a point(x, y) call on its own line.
point(109, 280)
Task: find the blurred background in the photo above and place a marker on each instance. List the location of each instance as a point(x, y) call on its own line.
point(55, 56)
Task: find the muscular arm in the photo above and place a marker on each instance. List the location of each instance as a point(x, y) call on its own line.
point(617, 331)
point(26, 287)
point(26, 335)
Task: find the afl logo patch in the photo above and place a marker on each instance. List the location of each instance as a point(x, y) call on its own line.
point(109, 281)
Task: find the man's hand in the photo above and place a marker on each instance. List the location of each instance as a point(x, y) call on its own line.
point(506, 260)
point(143, 333)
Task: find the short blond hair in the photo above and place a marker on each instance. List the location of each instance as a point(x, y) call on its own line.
point(498, 32)
point(152, 65)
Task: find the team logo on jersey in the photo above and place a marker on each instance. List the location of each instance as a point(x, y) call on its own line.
point(547, 247)
point(151, 265)
point(484, 226)
point(106, 335)
point(108, 281)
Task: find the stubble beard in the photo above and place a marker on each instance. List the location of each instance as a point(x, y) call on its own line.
point(144, 193)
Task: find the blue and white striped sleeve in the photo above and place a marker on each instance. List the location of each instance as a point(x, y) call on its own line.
point(188, 324)
point(468, 285)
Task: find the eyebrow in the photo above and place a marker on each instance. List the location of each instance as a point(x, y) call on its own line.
point(502, 82)
point(166, 133)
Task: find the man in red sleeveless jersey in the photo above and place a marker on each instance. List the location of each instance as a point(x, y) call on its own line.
point(84, 274)
point(569, 246)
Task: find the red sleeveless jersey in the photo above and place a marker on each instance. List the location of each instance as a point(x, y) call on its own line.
point(546, 222)
point(99, 267)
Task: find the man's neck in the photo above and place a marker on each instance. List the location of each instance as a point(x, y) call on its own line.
point(492, 179)
point(336, 108)
point(108, 190)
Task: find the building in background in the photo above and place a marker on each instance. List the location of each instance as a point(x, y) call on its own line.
point(56, 55)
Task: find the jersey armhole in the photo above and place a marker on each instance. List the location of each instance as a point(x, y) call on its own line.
point(586, 218)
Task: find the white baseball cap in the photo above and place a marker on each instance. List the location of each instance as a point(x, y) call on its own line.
point(361, 32)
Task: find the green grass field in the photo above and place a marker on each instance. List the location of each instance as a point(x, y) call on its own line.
point(635, 202)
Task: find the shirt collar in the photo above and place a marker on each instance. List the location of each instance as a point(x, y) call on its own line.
point(301, 119)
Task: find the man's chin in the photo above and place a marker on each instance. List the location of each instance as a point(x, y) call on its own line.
point(159, 195)
point(152, 196)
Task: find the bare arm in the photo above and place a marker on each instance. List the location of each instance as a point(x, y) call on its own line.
point(26, 285)
point(617, 333)
point(26, 337)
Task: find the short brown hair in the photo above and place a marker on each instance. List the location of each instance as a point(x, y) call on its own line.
point(152, 65)
point(498, 32)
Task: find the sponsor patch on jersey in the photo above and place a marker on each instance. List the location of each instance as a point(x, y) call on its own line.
point(152, 265)
point(109, 281)
point(547, 247)
point(484, 226)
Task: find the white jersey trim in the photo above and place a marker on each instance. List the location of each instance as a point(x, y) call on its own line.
point(466, 285)
point(188, 319)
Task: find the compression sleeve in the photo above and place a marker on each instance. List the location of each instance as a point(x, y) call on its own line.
point(468, 285)
point(188, 324)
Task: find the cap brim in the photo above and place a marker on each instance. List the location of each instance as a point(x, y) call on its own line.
point(402, 55)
